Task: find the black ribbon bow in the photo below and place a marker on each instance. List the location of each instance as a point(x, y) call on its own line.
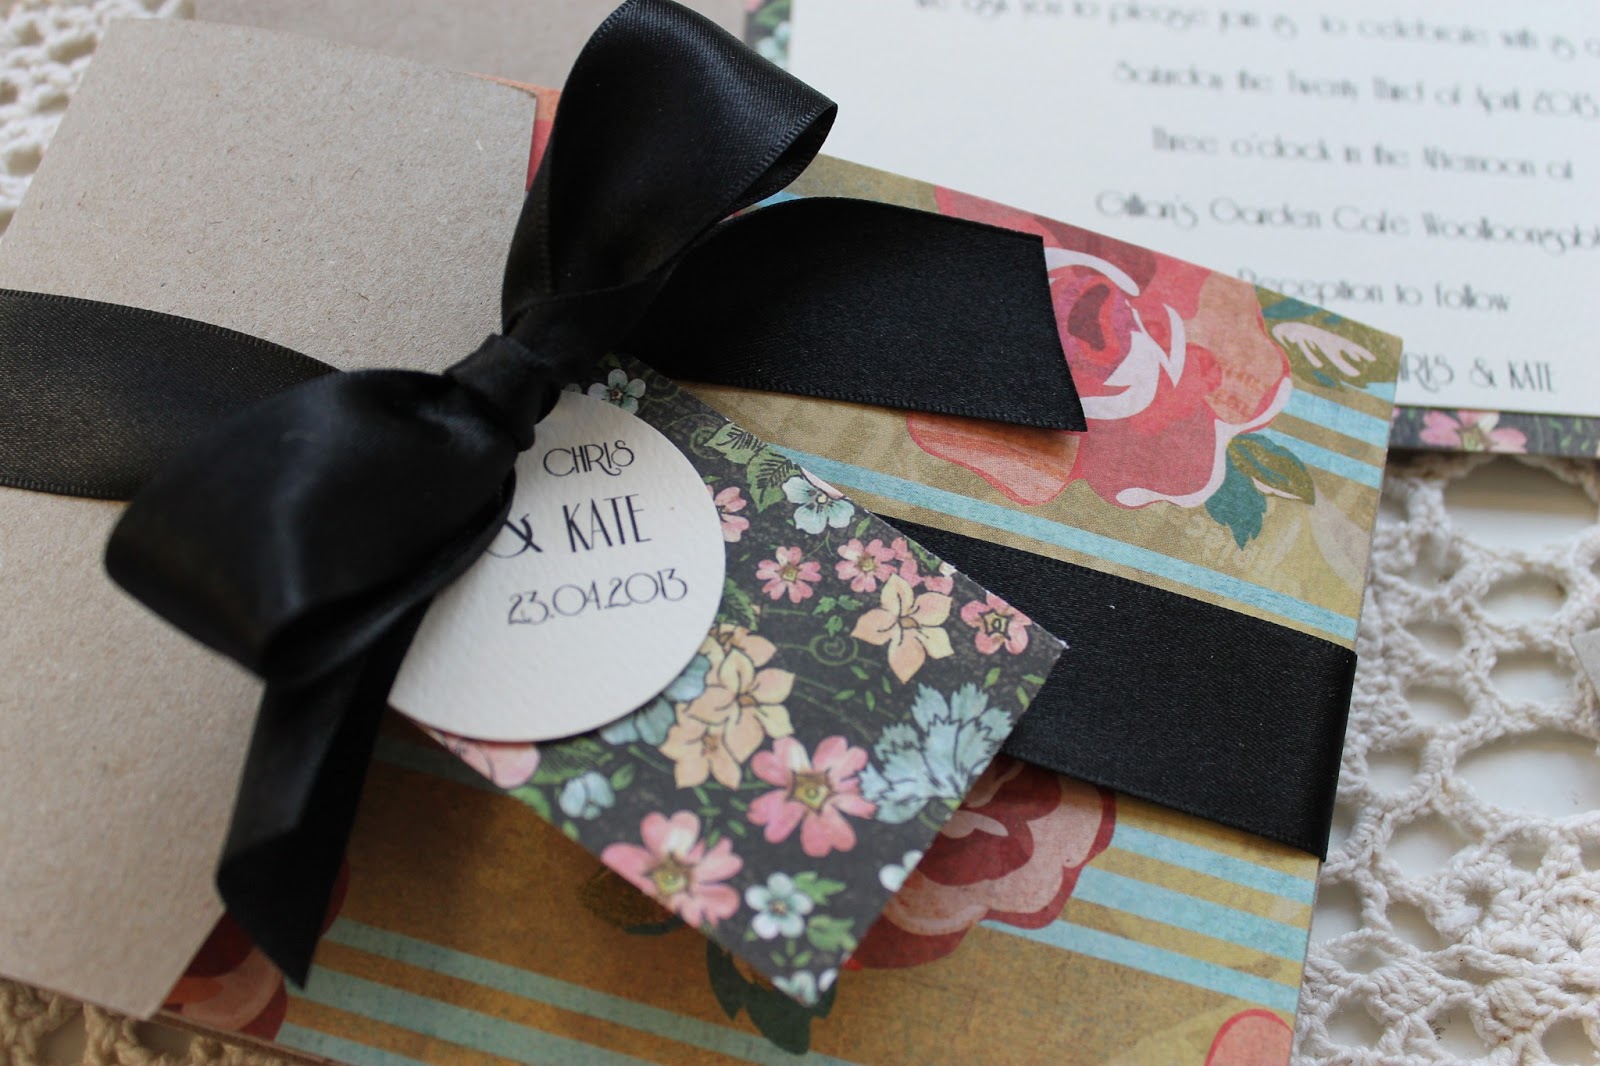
point(305, 536)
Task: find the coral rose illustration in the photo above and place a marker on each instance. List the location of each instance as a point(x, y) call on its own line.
point(1012, 854)
point(1143, 335)
point(1251, 1038)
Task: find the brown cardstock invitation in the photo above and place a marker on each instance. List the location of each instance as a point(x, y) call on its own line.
point(533, 41)
point(350, 206)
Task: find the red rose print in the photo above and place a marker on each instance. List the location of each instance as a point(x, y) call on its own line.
point(230, 986)
point(1012, 853)
point(1143, 335)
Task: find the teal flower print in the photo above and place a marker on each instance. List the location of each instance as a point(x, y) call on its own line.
point(892, 876)
point(587, 796)
point(651, 722)
point(780, 907)
point(937, 758)
point(619, 389)
point(820, 504)
point(805, 986)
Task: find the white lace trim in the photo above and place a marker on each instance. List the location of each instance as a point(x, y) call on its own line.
point(1480, 959)
point(45, 45)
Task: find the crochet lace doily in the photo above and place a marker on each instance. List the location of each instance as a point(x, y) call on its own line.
point(1486, 950)
point(1470, 923)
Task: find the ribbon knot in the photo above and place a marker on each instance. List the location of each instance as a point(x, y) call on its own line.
point(514, 385)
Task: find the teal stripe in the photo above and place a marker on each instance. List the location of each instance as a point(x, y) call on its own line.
point(547, 990)
point(1162, 963)
point(778, 198)
point(1214, 864)
point(1327, 459)
point(1115, 551)
point(1368, 429)
point(1183, 911)
point(1383, 390)
point(338, 1049)
point(432, 760)
point(457, 1025)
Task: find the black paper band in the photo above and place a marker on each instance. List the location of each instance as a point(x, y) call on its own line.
point(1219, 714)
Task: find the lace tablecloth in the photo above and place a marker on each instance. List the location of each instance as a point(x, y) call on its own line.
point(1459, 912)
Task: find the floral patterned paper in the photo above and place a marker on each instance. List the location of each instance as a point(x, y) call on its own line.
point(851, 691)
point(1495, 431)
point(1179, 374)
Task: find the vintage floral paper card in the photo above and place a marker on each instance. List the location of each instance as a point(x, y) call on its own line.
point(850, 692)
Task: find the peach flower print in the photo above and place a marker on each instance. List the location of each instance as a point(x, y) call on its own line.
point(910, 624)
point(675, 868)
point(699, 749)
point(725, 638)
point(723, 726)
point(814, 793)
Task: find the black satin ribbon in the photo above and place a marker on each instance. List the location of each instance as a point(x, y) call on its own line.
point(304, 535)
point(1193, 706)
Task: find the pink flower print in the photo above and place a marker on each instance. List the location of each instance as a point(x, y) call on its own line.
point(1472, 431)
point(942, 582)
point(864, 565)
point(1142, 334)
point(508, 764)
point(813, 793)
point(945, 582)
point(910, 624)
point(676, 869)
point(788, 574)
point(999, 625)
point(1251, 1038)
point(730, 501)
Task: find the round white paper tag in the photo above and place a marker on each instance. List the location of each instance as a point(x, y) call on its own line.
point(591, 600)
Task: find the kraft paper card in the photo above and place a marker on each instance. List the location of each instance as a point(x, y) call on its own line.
point(523, 41)
point(209, 191)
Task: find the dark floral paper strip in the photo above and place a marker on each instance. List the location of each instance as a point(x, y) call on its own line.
point(850, 693)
